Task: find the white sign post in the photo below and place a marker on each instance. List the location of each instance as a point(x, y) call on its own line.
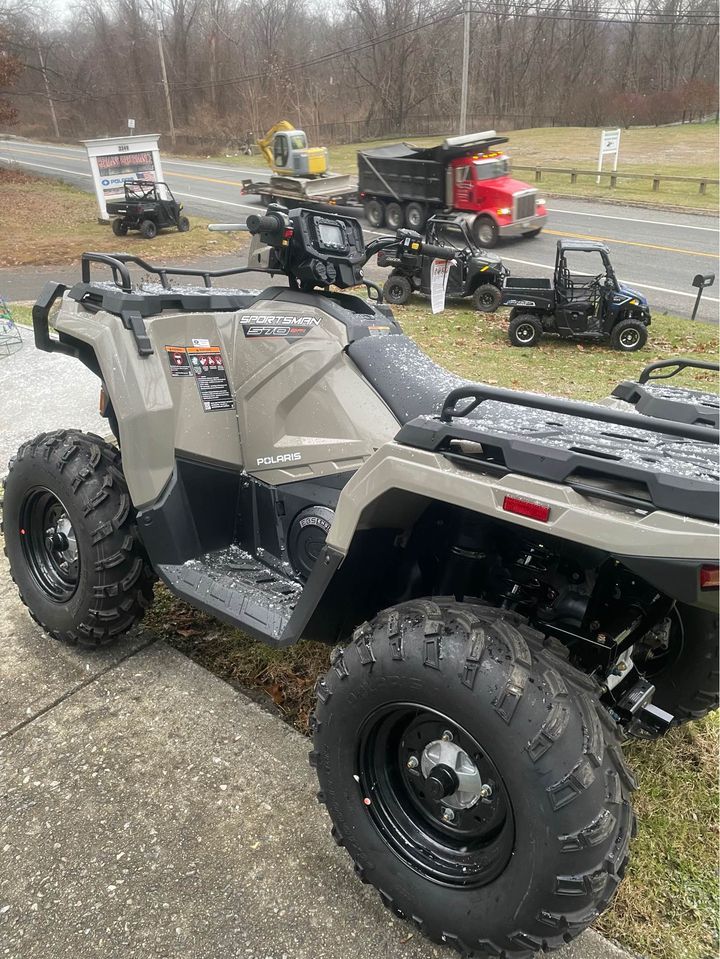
point(609, 145)
point(113, 161)
point(439, 273)
point(131, 123)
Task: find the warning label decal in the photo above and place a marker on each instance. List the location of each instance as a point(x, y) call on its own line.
point(208, 369)
point(178, 360)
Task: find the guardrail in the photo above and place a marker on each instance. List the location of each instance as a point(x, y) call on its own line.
point(656, 178)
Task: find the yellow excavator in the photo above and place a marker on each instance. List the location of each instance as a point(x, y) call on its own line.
point(288, 154)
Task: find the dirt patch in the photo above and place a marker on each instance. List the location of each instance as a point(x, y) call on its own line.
point(45, 222)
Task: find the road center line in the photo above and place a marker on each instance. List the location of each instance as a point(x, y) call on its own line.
point(646, 246)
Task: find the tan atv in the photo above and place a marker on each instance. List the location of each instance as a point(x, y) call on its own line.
point(512, 582)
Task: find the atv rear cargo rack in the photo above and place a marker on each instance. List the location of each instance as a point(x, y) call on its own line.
point(647, 463)
point(675, 402)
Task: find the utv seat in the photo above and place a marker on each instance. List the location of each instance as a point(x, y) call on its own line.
point(406, 378)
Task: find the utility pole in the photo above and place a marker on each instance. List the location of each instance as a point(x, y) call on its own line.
point(51, 102)
point(465, 66)
point(168, 103)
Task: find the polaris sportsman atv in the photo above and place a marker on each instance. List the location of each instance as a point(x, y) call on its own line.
point(577, 305)
point(511, 582)
point(147, 207)
point(475, 272)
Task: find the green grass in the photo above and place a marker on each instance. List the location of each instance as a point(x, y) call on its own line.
point(686, 150)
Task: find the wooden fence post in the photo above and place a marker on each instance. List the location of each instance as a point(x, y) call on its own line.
point(656, 183)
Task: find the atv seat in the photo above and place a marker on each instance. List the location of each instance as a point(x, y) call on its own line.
point(406, 378)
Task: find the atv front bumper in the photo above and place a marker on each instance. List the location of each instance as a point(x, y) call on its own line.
point(527, 225)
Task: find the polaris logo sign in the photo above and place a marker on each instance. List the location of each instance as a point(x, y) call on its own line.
point(281, 326)
point(277, 460)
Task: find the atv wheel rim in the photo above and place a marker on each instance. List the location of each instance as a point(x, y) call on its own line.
point(395, 292)
point(49, 545)
point(525, 333)
point(629, 338)
point(487, 299)
point(435, 796)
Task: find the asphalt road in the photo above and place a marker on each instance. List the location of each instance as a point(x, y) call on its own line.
point(656, 251)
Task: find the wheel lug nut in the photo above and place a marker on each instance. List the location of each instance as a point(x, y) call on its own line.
point(448, 815)
point(447, 736)
point(412, 762)
point(485, 791)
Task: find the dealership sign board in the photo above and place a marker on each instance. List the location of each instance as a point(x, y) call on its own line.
point(115, 160)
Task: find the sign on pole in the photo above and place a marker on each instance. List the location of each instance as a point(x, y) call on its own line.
point(113, 161)
point(609, 146)
point(131, 123)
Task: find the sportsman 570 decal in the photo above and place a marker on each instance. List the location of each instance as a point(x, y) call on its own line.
point(288, 327)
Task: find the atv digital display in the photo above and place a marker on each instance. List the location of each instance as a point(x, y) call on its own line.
point(331, 235)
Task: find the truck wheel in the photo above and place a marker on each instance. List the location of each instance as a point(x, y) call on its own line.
point(183, 224)
point(394, 216)
point(487, 298)
point(148, 229)
point(119, 227)
point(628, 336)
point(397, 289)
point(415, 216)
point(525, 330)
point(70, 539)
point(485, 232)
point(686, 675)
point(375, 213)
point(474, 779)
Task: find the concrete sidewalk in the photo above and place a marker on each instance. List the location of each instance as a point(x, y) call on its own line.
point(148, 810)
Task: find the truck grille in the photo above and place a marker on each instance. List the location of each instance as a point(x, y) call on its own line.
point(525, 204)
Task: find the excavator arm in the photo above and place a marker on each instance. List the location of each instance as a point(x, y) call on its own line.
point(265, 143)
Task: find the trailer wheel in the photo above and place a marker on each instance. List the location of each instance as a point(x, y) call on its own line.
point(394, 216)
point(487, 298)
point(628, 336)
point(148, 229)
point(473, 777)
point(485, 232)
point(119, 227)
point(525, 330)
point(397, 289)
point(375, 213)
point(415, 216)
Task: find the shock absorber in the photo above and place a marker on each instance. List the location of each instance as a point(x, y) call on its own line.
point(523, 585)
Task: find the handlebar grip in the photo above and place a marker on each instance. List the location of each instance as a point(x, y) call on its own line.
point(440, 252)
point(263, 224)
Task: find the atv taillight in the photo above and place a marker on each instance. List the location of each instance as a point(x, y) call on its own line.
point(287, 233)
point(526, 507)
point(709, 576)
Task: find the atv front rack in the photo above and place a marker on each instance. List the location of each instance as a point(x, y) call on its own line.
point(611, 454)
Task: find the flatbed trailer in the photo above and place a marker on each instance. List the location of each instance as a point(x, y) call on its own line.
point(333, 190)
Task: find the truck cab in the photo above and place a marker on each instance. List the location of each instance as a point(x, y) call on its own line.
point(481, 183)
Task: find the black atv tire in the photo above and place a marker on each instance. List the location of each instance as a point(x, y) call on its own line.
point(394, 216)
point(485, 232)
point(119, 227)
point(75, 481)
point(628, 336)
point(525, 330)
point(397, 289)
point(375, 213)
point(487, 298)
point(149, 229)
point(415, 216)
point(542, 742)
point(183, 224)
point(687, 676)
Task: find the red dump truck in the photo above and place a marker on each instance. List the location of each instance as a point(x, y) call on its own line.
point(402, 185)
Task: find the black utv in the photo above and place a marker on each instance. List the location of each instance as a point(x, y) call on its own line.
point(147, 207)
point(475, 273)
point(589, 305)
